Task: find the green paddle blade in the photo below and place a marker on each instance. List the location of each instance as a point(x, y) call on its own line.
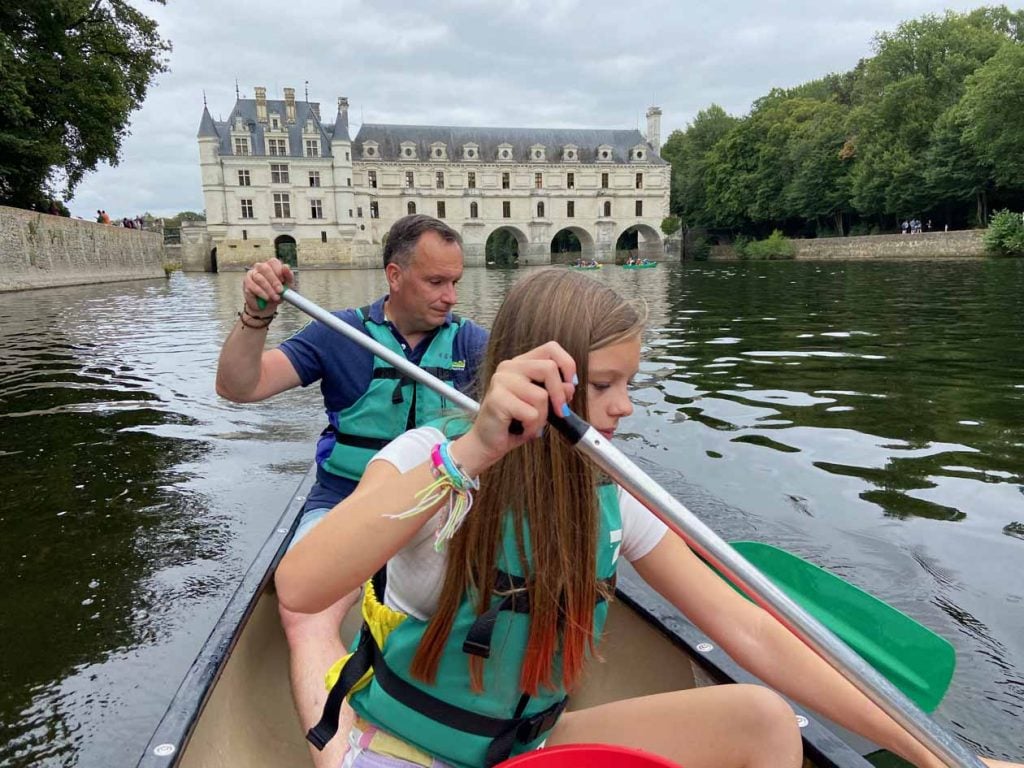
point(908, 654)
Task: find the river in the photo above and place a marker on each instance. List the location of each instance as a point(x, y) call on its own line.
point(867, 416)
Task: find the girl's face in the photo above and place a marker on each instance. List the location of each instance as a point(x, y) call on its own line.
point(611, 369)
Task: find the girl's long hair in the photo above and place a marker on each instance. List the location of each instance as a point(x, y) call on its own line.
point(545, 484)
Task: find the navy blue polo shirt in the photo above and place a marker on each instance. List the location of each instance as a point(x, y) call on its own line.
point(345, 370)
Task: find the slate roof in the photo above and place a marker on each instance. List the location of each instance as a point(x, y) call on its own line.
point(246, 108)
point(390, 137)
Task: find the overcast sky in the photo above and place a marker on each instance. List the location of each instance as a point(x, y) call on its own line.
point(530, 63)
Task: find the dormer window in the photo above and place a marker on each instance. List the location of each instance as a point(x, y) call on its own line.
point(505, 153)
point(370, 149)
point(438, 151)
point(275, 121)
point(470, 152)
point(604, 154)
point(407, 150)
point(538, 153)
point(239, 123)
point(571, 153)
point(310, 127)
point(639, 152)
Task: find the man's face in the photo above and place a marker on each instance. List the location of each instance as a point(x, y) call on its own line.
point(422, 294)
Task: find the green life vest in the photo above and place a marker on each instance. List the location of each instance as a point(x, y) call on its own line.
point(447, 718)
point(392, 404)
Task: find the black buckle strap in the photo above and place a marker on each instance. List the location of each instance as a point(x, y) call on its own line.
point(357, 666)
point(524, 730)
point(359, 441)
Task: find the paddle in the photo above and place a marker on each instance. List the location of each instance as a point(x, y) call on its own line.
point(912, 657)
point(707, 545)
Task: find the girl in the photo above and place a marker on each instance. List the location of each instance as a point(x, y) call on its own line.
point(481, 630)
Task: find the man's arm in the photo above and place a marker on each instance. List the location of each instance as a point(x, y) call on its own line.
point(245, 373)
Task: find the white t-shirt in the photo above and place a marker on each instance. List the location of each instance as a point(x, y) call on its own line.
point(416, 572)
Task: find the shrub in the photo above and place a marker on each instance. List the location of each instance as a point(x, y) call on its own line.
point(670, 225)
point(1005, 234)
point(701, 249)
point(775, 246)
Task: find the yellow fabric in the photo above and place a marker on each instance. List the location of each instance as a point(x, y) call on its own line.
point(381, 620)
point(383, 743)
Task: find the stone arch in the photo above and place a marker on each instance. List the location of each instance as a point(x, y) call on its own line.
point(286, 250)
point(504, 245)
point(638, 240)
point(410, 208)
point(570, 244)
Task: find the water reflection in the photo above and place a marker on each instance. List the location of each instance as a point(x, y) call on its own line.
point(867, 416)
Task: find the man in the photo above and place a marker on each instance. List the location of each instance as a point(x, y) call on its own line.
point(368, 402)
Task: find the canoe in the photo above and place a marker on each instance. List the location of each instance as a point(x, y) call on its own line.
point(234, 705)
point(649, 265)
point(589, 266)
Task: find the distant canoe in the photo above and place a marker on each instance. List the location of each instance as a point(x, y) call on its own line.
point(648, 265)
point(589, 266)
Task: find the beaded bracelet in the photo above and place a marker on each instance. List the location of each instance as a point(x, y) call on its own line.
point(450, 482)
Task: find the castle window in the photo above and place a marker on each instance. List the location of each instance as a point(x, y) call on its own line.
point(410, 208)
point(604, 153)
point(570, 152)
point(323, 236)
point(504, 151)
point(604, 181)
point(282, 205)
point(470, 151)
point(439, 151)
point(374, 210)
point(371, 179)
point(279, 174)
point(241, 146)
point(369, 149)
point(639, 181)
point(312, 148)
point(506, 209)
point(246, 208)
point(506, 180)
point(275, 123)
point(639, 207)
point(348, 181)
point(538, 180)
point(410, 179)
point(607, 207)
point(570, 209)
point(316, 209)
point(474, 211)
point(439, 176)
point(538, 153)
point(347, 156)
point(359, 211)
point(276, 147)
point(540, 210)
point(243, 179)
point(314, 178)
point(245, 233)
point(408, 150)
point(570, 181)
point(471, 179)
point(440, 209)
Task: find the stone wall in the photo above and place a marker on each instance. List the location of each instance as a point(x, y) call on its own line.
point(42, 251)
point(961, 244)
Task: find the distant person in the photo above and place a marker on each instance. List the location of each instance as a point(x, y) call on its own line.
point(928, 225)
point(99, 216)
point(105, 217)
point(905, 226)
point(367, 403)
point(54, 210)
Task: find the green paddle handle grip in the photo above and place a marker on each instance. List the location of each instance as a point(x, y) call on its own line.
point(262, 303)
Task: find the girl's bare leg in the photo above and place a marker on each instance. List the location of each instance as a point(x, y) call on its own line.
point(724, 726)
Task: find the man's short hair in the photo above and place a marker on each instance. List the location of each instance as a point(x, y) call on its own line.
point(406, 232)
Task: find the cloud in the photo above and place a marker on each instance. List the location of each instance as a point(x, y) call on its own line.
point(535, 63)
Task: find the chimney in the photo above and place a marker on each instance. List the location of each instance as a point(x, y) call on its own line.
point(343, 106)
point(654, 128)
point(289, 105)
point(314, 107)
point(261, 103)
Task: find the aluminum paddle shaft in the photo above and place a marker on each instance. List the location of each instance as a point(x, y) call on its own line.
point(704, 542)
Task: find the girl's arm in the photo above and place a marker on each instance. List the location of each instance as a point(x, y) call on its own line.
point(759, 643)
point(359, 535)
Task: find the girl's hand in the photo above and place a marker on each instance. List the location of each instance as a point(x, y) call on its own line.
point(521, 389)
point(265, 280)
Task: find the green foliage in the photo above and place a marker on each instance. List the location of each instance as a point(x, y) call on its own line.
point(178, 218)
point(72, 71)
point(701, 249)
point(670, 225)
point(775, 246)
point(930, 123)
point(1005, 234)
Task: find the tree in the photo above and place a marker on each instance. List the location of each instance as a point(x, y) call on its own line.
point(687, 151)
point(73, 71)
point(993, 105)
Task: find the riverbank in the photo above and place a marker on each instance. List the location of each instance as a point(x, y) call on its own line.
point(38, 250)
point(962, 244)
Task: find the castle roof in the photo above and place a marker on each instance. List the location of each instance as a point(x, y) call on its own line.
point(586, 141)
point(207, 127)
point(244, 114)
